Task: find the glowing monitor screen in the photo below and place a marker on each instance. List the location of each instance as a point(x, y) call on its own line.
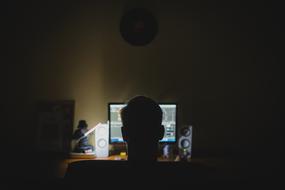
point(168, 121)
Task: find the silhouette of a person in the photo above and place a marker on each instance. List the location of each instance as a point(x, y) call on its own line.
point(142, 129)
point(82, 146)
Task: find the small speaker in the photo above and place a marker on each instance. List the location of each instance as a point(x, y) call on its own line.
point(102, 140)
point(185, 143)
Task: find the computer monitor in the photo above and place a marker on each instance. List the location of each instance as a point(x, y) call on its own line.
point(169, 121)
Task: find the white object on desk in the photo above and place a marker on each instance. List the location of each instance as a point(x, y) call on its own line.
point(102, 140)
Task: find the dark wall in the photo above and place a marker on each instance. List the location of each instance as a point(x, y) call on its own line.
point(218, 60)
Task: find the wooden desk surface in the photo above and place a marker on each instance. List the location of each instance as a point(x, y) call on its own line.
point(63, 164)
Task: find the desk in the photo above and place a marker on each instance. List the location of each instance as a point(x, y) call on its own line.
point(63, 164)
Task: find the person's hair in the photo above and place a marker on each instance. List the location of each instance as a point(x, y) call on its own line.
point(82, 124)
point(142, 117)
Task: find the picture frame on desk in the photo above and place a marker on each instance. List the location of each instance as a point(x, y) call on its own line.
point(55, 125)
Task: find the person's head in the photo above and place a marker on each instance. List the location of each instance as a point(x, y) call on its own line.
point(82, 124)
point(142, 129)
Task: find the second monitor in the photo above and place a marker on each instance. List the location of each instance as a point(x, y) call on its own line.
point(169, 121)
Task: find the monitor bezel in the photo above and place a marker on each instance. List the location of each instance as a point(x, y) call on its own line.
point(160, 103)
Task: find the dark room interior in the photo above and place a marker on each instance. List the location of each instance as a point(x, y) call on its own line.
point(219, 60)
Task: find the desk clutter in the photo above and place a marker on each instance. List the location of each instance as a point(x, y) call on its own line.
point(107, 138)
point(104, 148)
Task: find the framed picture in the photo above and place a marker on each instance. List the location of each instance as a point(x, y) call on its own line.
point(55, 125)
